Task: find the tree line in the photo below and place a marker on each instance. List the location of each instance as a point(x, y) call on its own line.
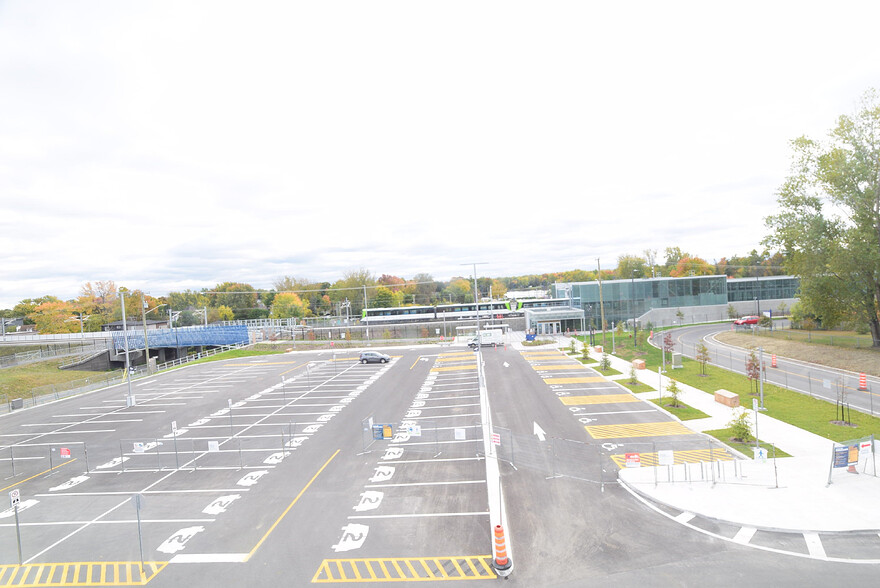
point(99, 302)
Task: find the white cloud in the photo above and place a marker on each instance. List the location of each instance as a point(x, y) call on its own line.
point(170, 146)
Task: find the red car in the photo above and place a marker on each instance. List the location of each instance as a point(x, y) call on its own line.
point(747, 320)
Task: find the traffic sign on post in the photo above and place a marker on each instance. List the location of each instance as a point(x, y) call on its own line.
point(14, 498)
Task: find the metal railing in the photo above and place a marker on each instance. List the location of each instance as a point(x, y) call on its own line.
point(50, 351)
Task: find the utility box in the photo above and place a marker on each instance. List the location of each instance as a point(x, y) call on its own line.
point(676, 360)
point(16, 403)
point(639, 364)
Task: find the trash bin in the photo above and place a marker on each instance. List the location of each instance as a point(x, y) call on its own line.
point(17, 403)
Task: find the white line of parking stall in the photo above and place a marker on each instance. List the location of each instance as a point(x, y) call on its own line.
point(407, 449)
point(218, 505)
point(177, 541)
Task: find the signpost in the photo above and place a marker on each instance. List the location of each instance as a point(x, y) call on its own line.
point(14, 499)
point(138, 500)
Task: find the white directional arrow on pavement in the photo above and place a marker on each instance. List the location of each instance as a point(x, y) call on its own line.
point(539, 432)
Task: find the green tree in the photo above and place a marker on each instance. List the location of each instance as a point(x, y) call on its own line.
point(288, 305)
point(383, 297)
point(674, 392)
point(627, 264)
point(740, 426)
point(828, 225)
point(460, 290)
point(703, 357)
point(236, 295)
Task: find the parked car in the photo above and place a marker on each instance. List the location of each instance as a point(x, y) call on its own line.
point(374, 357)
point(747, 320)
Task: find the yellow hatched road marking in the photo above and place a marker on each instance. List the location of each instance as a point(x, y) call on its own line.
point(548, 355)
point(457, 358)
point(578, 380)
point(455, 368)
point(638, 430)
point(686, 456)
point(559, 366)
point(405, 569)
point(87, 573)
point(458, 354)
point(598, 399)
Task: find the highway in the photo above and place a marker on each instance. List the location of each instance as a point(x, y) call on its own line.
point(268, 471)
point(811, 379)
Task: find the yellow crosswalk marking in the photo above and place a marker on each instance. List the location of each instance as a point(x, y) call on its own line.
point(559, 366)
point(598, 399)
point(637, 430)
point(685, 456)
point(88, 573)
point(455, 368)
point(575, 380)
point(405, 569)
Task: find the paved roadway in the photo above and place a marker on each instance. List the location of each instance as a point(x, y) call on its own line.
point(270, 483)
point(814, 380)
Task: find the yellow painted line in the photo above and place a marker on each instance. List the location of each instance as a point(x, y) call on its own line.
point(405, 569)
point(470, 357)
point(289, 506)
point(638, 430)
point(85, 573)
point(293, 368)
point(575, 380)
point(69, 461)
point(598, 399)
point(560, 366)
point(455, 368)
point(458, 354)
point(686, 456)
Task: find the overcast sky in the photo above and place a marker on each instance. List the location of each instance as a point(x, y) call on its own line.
point(173, 145)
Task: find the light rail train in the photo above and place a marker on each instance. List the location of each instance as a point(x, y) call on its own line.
point(495, 309)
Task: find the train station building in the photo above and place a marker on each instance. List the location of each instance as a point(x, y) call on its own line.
point(668, 301)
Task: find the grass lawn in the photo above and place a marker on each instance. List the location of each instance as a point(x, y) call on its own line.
point(724, 435)
point(637, 388)
point(794, 408)
point(235, 353)
point(20, 380)
point(682, 411)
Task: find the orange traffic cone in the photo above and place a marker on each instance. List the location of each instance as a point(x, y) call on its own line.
point(502, 564)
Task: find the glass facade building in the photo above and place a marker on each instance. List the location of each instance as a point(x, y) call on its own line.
point(627, 299)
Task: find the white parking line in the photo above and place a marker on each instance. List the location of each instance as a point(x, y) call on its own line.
point(404, 485)
point(422, 515)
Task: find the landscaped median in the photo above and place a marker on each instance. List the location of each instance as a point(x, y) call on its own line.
point(800, 410)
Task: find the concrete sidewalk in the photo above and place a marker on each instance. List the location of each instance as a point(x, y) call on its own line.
point(782, 494)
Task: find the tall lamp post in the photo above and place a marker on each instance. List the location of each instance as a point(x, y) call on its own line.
point(144, 312)
point(632, 297)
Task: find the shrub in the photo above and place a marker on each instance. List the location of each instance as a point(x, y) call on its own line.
point(741, 426)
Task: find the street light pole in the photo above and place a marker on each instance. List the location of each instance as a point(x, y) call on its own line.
point(601, 303)
point(632, 298)
point(125, 339)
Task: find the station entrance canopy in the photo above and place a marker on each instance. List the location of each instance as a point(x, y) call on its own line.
point(213, 335)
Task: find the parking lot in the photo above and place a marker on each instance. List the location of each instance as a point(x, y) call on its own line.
point(313, 468)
